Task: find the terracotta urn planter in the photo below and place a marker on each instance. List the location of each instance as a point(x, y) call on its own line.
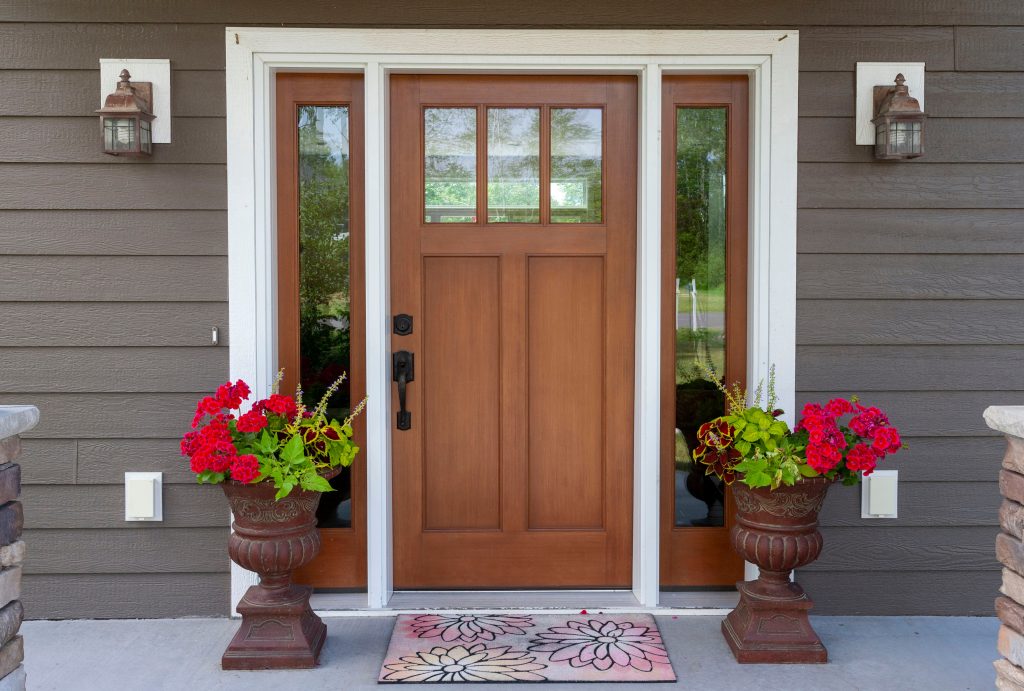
point(778, 531)
point(274, 538)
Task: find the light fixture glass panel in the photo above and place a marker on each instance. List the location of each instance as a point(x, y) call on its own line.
point(119, 134)
point(513, 165)
point(700, 312)
point(146, 134)
point(325, 299)
point(576, 160)
point(449, 165)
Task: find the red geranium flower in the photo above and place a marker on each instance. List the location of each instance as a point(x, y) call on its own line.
point(253, 421)
point(861, 457)
point(886, 440)
point(245, 468)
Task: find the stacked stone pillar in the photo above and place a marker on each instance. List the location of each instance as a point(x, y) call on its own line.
point(14, 421)
point(1010, 547)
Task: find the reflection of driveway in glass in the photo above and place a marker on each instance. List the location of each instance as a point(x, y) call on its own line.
point(705, 320)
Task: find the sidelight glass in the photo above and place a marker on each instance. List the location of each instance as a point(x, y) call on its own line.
point(513, 165)
point(700, 219)
point(576, 160)
point(324, 293)
point(449, 167)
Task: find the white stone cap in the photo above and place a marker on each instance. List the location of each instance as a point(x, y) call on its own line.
point(1008, 419)
point(17, 419)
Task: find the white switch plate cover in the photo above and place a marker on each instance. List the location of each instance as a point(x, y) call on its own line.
point(865, 493)
point(158, 495)
point(872, 74)
point(158, 72)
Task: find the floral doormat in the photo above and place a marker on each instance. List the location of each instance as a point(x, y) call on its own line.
point(443, 648)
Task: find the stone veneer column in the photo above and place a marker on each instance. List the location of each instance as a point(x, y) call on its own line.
point(1010, 546)
point(14, 421)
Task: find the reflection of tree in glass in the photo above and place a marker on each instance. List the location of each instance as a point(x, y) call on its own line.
point(450, 157)
point(513, 164)
point(576, 165)
point(324, 249)
point(700, 229)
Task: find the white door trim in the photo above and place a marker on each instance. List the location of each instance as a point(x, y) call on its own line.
point(254, 55)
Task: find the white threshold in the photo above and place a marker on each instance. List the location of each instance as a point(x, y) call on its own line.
point(769, 57)
point(671, 603)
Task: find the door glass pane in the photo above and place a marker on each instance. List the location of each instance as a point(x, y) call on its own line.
point(513, 165)
point(324, 297)
point(449, 168)
point(700, 303)
point(576, 165)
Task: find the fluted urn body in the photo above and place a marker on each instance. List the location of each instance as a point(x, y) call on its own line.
point(778, 531)
point(274, 538)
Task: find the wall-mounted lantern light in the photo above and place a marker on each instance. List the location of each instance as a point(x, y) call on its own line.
point(126, 118)
point(898, 121)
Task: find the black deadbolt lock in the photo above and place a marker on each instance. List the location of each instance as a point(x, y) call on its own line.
point(402, 324)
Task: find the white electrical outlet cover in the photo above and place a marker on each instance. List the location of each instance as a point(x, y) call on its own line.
point(880, 485)
point(143, 70)
point(872, 74)
point(152, 505)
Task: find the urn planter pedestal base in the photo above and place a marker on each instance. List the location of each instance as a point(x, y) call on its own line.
point(770, 625)
point(276, 633)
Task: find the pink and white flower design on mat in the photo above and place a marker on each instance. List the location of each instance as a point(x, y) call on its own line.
point(603, 644)
point(475, 663)
point(468, 628)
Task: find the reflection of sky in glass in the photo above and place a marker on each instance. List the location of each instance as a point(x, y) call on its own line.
point(576, 132)
point(576, 144)
point(331, 123)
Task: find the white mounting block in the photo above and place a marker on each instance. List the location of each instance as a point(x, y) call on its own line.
point(872, 74)
point(143, 496)
point(156, 71)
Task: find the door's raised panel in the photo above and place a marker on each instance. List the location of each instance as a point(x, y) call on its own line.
point(566, 307)
point(459, 376)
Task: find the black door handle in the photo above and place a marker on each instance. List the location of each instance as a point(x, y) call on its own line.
point(403, 371)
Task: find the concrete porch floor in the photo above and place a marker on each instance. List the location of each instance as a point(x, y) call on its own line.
point(867, 653)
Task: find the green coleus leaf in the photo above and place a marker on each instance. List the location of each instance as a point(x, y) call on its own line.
point(739, 424)
point(742, 446)
point(778, 428)
point(807, 471)
point(314, 482)
point(293, 451)
point(757, 479)
point(751, 434)
point(770, 444)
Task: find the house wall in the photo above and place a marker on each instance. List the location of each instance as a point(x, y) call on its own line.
point(910, 281)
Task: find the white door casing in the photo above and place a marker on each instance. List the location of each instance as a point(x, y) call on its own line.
point(255, 55)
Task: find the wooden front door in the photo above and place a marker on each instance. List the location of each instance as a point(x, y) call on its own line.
point(513, 251)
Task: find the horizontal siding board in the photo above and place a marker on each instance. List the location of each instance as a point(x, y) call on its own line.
point(194, 550)
point(114, 232)
point(108, 415)
point(902, 593)
point(102, 506)
point(930, 413)
point(112, 186)
point(921, 231)
point(901, 277)
point(947, 140)
point(120, 596)
point(98, 279)
point(76, 93)
point(909, 368)
point(888, 549)
point(77, 45)
point(990, 48)
point(104, 461)
point(937, 185)
point(48, 461)
point(112, 324)
point(948, 94)
point(148, 370)
point(824, 48)
point(921, 505)
point(950, 460)
point(911, 322)
point(77, 140)
point(525, 13)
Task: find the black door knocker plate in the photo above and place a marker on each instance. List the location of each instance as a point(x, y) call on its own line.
point(403, 371)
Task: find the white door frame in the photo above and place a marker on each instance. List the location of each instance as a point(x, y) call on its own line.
point(254, 55)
